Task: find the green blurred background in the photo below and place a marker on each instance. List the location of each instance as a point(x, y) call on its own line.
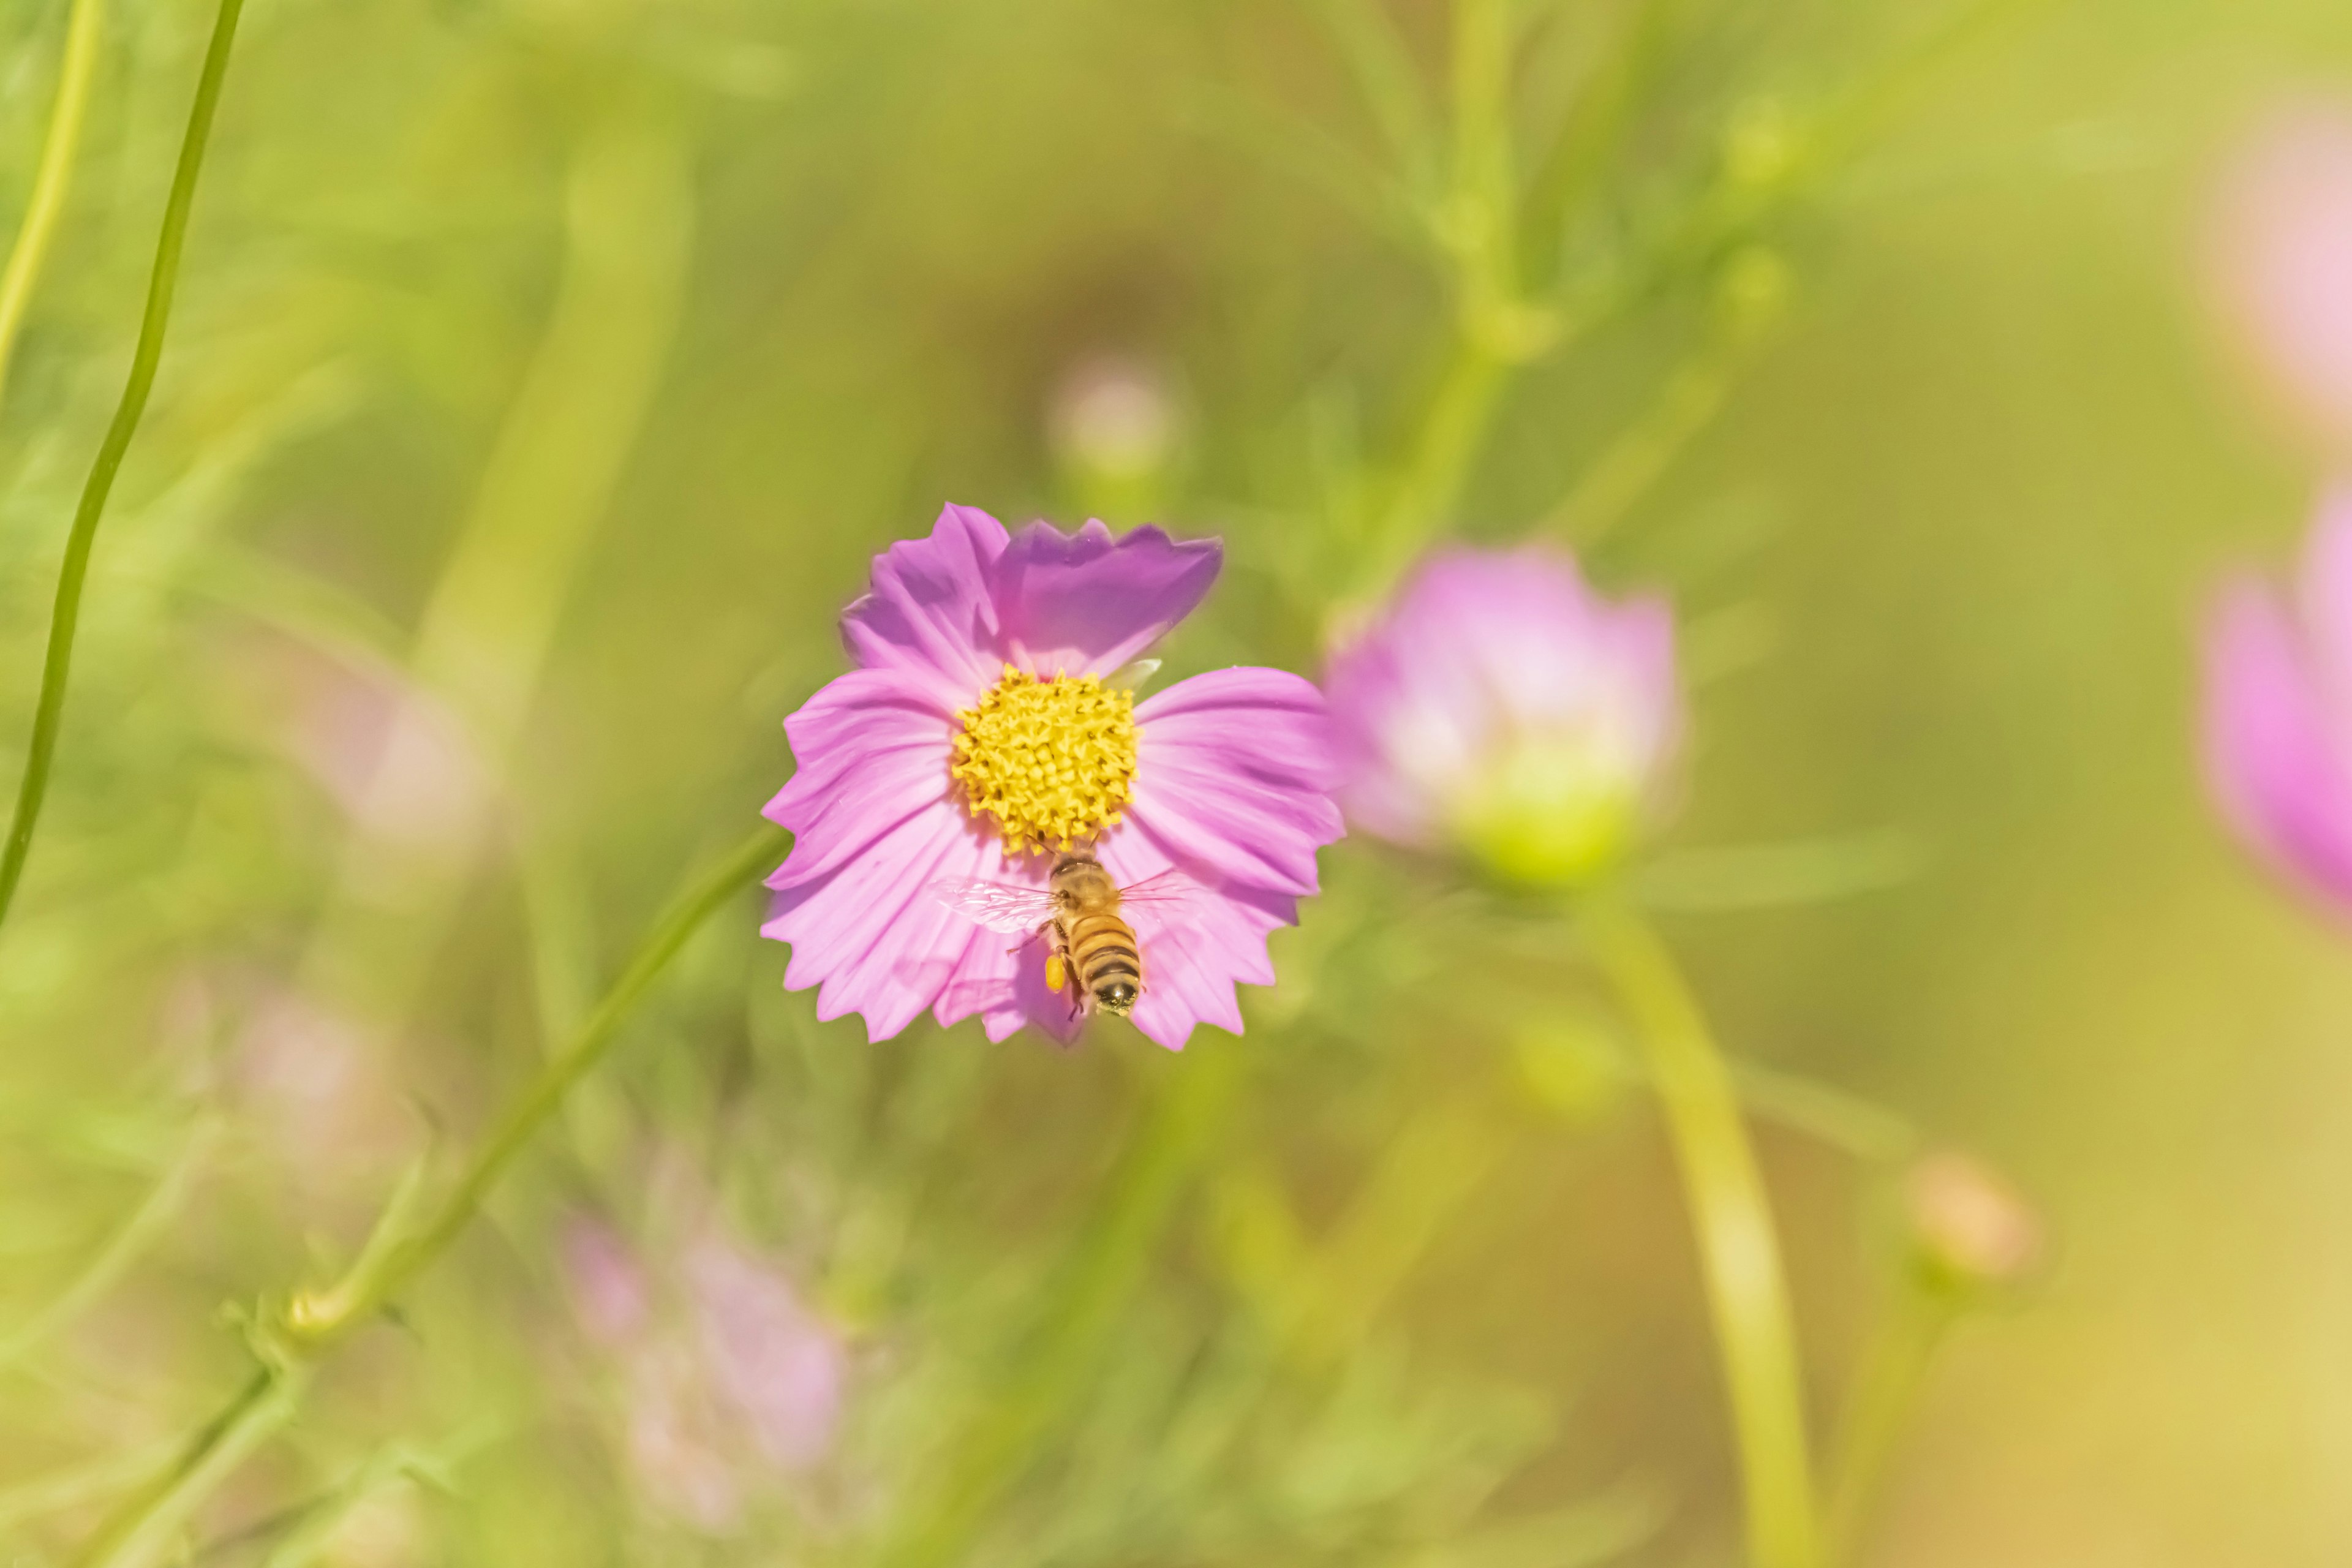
point(574, 357)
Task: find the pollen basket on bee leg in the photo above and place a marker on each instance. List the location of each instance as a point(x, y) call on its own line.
point(1053, 761)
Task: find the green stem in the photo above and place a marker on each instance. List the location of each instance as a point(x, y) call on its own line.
point(146, 1225)
point(53, 177)
point(359, 1295)
point(1083, 1302)
point(147, 1523)
point(1738, 1254)
point(144, 1531)
point(145, 357)
point(1885, 1389)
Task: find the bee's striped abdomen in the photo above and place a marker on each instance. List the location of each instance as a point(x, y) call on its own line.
point(1109, 965)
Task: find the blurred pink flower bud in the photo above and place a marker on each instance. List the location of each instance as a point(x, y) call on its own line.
point(2282, 258)
point(2278, 711)
point(1500, 707)
point(606, 1285)
point(1970, 1226)
point(1113, 417)
point(323, 1101)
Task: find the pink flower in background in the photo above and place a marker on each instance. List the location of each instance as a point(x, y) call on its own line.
point(775, 1363)
point(2278, 711)
point(978, 737)
point(727, 1382)
point(2282, 255)
point(1500, 707)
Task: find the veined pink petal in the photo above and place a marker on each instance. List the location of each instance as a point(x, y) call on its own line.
point(933, 610)
point(2273, 752)
point(1086, 603)
point(998, 976)
point(840, 925)
point(1192, 964)
point(1233, 772)
point(872, 748)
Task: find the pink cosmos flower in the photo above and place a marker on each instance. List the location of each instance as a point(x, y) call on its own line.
point(980, 737)
point(2278, 711)
point(1500, 707)
point(2281, 255)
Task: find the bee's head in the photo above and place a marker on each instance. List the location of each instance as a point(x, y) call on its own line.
point(1118, 996)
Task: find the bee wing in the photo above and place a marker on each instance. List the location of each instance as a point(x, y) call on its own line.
point(999, 906)
point(1172, 899)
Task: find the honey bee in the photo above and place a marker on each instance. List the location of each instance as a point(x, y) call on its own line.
point(1079, 907)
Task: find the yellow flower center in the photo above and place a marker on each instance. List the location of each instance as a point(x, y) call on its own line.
point(1053, 761)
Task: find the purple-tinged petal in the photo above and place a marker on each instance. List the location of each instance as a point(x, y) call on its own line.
point(1191, 962)
point(1233, 772)
point(840, 925)
point(1000, 978)
point(1086, 603)
point(873, 750)
point(2273, 757)
point(932, 611)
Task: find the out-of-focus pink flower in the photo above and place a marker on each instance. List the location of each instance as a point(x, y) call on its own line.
point(320, 1091)
point(726, 1380)
point(2282, 255)
point(978, 737)
point(778, 1366)
point(1501, 708)
point(392, 755)
point(2278, 711)
point(608, 1287)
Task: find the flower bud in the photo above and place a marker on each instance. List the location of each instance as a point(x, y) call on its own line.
point(1112, 419)
point(1969, 1228)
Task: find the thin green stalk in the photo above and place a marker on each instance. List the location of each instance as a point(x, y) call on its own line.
point(1885, 1389)
point(145, 1531)
point(79, 1485)
point(52, 179)
point(1739, 1256)
point(359, 1295)
point(1493, 329)
point(145, 1527)
point(1081, 1303)
point(145, 1226)
point(486, 630)
point(49, 714)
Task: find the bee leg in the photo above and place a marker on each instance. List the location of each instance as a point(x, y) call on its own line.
point(1055, 974)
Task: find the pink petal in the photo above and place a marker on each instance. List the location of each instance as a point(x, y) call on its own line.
point(873, 750)
point(932, 608)
point(841, 925)
point(1233, 772)
point(1000, 978)
point(1190, 969)
point(1086, 603)
point(2271, 752)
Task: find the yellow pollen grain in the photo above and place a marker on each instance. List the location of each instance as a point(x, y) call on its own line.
point(1053, 761)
